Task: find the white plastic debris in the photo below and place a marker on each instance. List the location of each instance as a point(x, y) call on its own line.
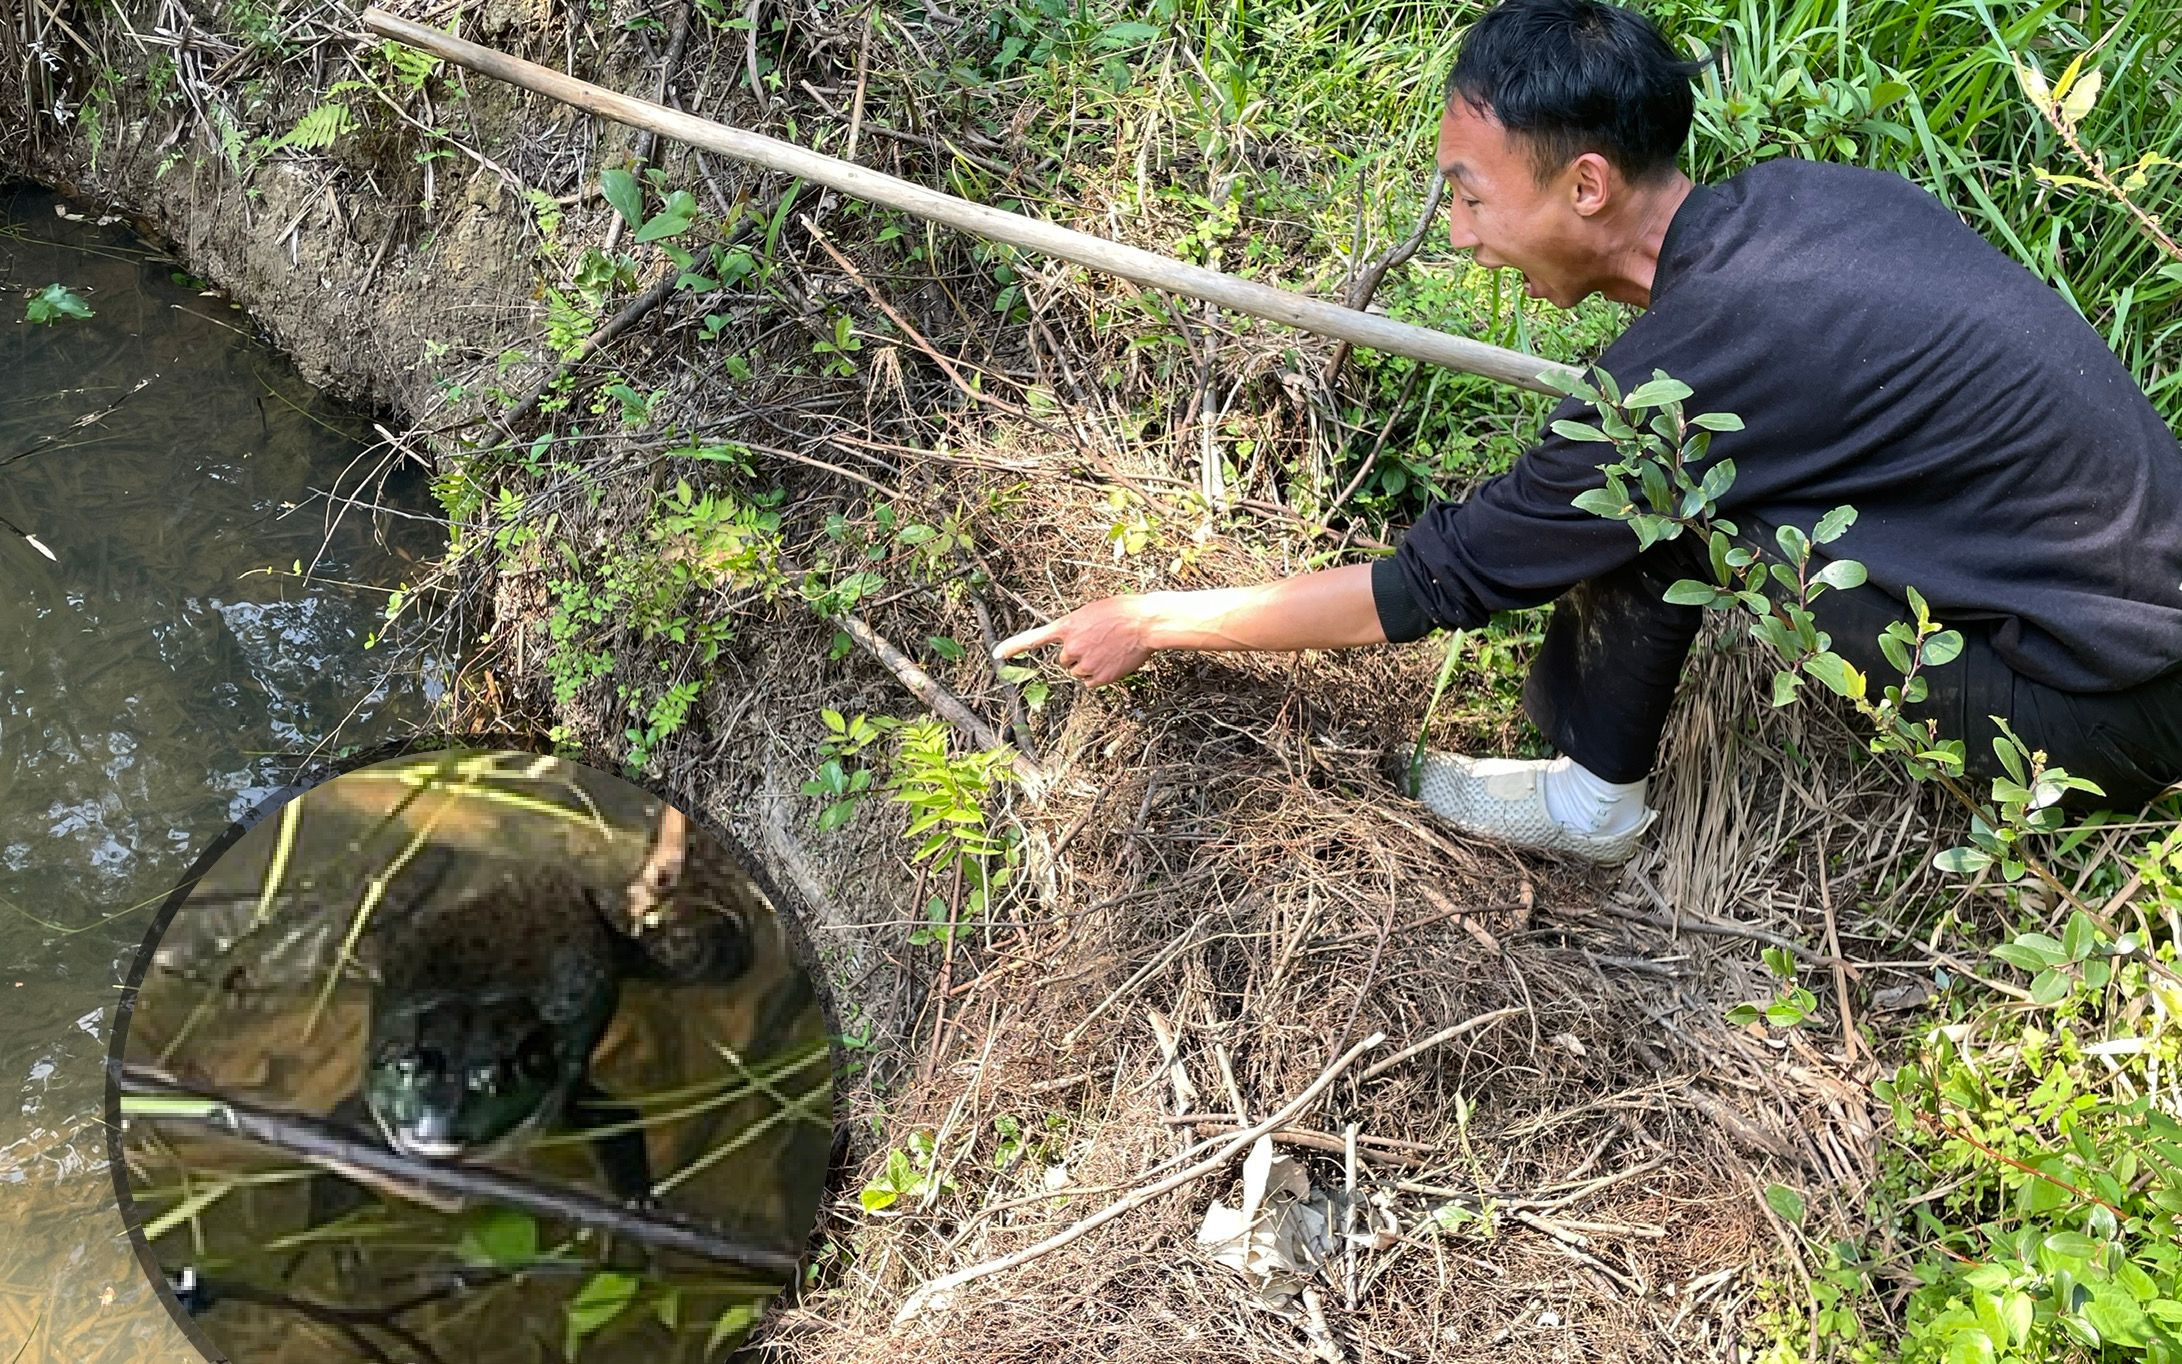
point(1280, 1234)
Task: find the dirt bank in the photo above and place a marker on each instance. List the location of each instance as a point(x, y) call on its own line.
point(1204, 891)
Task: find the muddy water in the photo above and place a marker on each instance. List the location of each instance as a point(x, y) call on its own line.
point(160, 678)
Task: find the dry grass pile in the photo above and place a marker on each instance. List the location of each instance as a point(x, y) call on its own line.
point(1574, 1172)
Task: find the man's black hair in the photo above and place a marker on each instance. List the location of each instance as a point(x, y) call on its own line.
point(1576, 76)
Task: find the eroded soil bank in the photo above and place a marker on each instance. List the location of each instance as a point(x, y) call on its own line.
point(832, 438)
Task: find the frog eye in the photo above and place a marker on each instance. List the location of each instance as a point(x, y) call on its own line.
point(484, 1078)
point(537, 1059)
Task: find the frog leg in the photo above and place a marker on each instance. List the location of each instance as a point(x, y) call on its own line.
point(621, 1156)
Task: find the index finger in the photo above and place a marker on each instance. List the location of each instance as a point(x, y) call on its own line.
point(1028, 639)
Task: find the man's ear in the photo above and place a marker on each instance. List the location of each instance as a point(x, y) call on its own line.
point(1592, 184)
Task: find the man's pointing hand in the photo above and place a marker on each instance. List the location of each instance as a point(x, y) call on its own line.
point(1100, 643)
point(1110, 638)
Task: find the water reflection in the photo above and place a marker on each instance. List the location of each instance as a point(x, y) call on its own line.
point(158, 680)
point(553, 1035)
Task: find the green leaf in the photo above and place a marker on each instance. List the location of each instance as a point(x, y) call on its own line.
point(676, 216)
point(1963, 861)
point(605, 1296)
point(2080, 97)
point(1691, 592)
point(623, 192)
point(2050, 987)
point(1717, 480)
point(1793, 543)
point(734, 1323)
point(1944, 647)
point(1125, 33)
point(1717, 548)
point(1601, 502)
point(1896, 651)
point(1657, 393)
point(2118, 1321)
point(1886, 93)
point(1569, 383)
point(1971, 1347)
point(1916, 605)
point(1787, 1013)
point(2073, 1243)
point(1838, 675)
point(1785, 684)
point(501, 1236)
point(1785, 1201)
point(2080, 936)
point(1573, 430)
point(1842, 573)
point(1717, 421)
point(56, 301)
point(1833, 525)
point(2018, 1313)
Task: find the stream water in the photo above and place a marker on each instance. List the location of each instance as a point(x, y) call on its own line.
point(161, 675)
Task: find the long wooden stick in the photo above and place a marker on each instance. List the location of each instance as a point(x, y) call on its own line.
point(1144, 267)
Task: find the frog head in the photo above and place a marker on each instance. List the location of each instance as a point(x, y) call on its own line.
point(460, 1074)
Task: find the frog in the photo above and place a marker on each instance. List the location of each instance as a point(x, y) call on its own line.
point(488, 1006)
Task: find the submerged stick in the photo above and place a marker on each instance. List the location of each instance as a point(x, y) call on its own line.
point(325, 1143)
point(1132, 263)
point(35, 542)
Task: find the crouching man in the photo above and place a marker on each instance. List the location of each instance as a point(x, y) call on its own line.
point(1882, 355)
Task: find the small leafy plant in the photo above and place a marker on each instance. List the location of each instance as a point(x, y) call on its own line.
point(907, 1176)
point(1789, 1007)
point(54, 302)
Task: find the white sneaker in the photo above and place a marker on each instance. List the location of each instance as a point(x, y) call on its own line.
point(1505, 799)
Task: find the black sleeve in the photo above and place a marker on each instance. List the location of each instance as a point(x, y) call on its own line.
point(1520, 540)
point(1399, 615)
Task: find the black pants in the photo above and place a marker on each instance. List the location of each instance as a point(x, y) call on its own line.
point(1602, 683)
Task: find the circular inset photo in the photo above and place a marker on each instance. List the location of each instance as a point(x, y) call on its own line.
point(472, 1056)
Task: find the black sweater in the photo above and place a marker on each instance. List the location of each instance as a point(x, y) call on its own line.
point(1882, 355)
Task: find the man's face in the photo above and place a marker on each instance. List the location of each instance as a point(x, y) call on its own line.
point(1498, 211)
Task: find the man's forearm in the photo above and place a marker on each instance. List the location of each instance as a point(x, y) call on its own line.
point(1329, 609)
